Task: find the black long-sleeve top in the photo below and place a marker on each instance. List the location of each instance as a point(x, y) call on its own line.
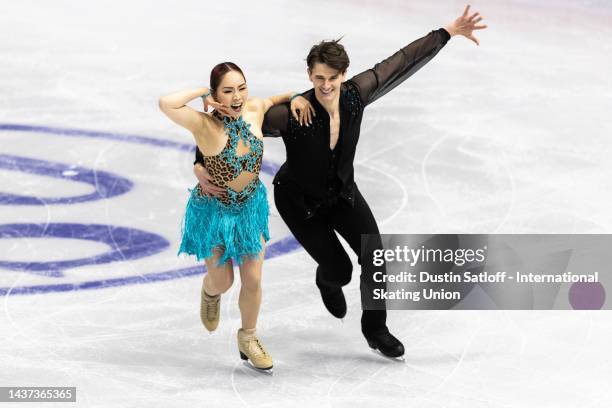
point(310, 165)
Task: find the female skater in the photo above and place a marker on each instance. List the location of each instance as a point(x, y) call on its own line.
point(234, 225)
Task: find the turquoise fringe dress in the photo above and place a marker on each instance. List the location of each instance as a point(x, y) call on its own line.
point(235, 223)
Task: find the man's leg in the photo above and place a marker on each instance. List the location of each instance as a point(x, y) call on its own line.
point(318, 238)
point(351, 222)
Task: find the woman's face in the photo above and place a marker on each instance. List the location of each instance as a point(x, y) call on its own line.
point(232, 92)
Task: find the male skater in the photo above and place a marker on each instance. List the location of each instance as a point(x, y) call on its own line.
point(314, 189)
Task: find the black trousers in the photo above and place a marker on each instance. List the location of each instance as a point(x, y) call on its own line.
point(316, 234)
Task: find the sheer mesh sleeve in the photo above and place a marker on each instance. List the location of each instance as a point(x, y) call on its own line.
point(391, 72)
point(199, 157)
point(275, 121)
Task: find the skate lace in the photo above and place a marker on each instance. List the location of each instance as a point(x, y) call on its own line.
point(258, 349)
point(212, 306)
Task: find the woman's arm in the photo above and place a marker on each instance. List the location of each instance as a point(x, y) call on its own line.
point(174, 106)
point(301, 109)
point(277, 100)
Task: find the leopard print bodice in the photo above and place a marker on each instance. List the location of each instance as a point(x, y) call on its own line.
point(226, 166)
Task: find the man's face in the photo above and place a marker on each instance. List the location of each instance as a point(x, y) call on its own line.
point(326, 82)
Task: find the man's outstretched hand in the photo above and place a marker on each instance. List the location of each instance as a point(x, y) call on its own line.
point(466, 24)
point(206, 186)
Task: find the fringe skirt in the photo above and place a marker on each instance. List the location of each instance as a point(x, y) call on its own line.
point(236, 228)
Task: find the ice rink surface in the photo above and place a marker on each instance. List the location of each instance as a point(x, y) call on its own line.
point(509, 137)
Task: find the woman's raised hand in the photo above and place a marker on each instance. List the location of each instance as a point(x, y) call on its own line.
point(210, 102)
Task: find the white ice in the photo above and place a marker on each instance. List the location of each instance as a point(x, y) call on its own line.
point(509, 137)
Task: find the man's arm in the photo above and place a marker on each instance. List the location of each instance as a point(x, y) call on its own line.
point(391, 72)
point(204, 179)
point(276, 121)
point(199, 157)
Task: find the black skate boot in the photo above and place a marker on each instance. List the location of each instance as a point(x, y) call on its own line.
point(335, 303)
point(386, 343)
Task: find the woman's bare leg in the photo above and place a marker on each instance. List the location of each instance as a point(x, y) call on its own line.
point(218, 279)
point(250, 289)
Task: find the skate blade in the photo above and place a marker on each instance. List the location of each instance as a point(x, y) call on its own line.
point(399, 359)
point(268, 371)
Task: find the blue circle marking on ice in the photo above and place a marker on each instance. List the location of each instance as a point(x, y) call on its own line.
point(285, 245)
point(125, 243)
point(105, 184)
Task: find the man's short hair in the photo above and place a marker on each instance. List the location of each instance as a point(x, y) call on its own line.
point(330, 53)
